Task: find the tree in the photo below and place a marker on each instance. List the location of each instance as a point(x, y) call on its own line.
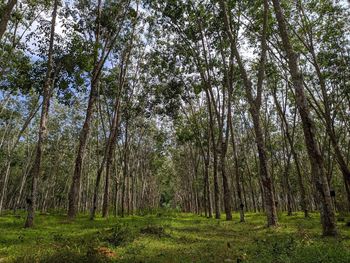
point(316, 159)
point(106, 32)
point(255, 104)
point(42, 132)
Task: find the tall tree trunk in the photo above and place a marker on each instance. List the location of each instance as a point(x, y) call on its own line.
point(207, 181)
point(330, 129)
point(224, 138)
point(226, 188)
point(116, 192)
point(215, 157)
point(327, 116)
point(4, 186)
point(111, 142)
point(253, 195)
point(254, 109)
point(35, 170)
point(290, 139)
point(19, 196)
point(316, 159)
point(237, 175)
point(125, 168)
point(73, 197)
point(96, 187)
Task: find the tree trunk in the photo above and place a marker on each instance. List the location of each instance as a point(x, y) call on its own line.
point(4, 186)
point(327, 108)
point(237, 175)
point(73, 197)
point(315, 157)
point(255, 109)
point(290, 139)
point(215, 158)
point(207, 183)
point(125, 169)
point(35, 170)
point(111, 142)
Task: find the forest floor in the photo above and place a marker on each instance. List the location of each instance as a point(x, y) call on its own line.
point(170, 237)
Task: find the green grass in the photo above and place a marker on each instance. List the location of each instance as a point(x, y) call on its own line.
point(171, 238)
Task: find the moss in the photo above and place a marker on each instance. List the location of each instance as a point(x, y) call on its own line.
point(184, 238)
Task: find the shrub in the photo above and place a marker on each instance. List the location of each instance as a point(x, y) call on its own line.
point(120, 234)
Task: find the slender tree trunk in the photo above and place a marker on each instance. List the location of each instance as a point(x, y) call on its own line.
point(290, 139)
point(207, 184)
point(226, 188)
point(316, 159)
point(96, 187)
point(4, 186)
point(237, 174)
point(125, 168)
point(73, 197)
point(107, 159)
point(224, 145)
point(35, 170)
point(255, 109)
point(287, 183)
point(327, 106)
point(112, 141)
point(115, 122)
point(116, 192)
point(253, 195)
point(215, 158)
point(19, 197)
point(330, 129)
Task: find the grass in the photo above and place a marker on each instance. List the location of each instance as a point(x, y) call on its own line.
point(174, 237)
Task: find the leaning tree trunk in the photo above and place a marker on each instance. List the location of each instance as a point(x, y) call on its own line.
point(35, 170)
point(111, 146)
point(215, 158)
point(226, 188)
point(206, 178)
point(73, 197)
point(237, 175)
point(115, 122)
point(254, 108)
point(224, 146)
point(4, 186)
point(316, 159)
point(97, 184)
point(330, 129)
point(125, 168)
point(290, 139)
point(327, 107)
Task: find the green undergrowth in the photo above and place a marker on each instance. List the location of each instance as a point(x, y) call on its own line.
point(174, 237)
